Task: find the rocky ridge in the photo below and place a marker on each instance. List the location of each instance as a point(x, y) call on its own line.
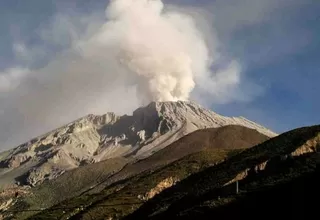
point(162, 185)
point(95, 138)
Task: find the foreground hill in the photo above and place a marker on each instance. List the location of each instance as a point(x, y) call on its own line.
point(92, 139)
point(90, 186)
point(276, 178)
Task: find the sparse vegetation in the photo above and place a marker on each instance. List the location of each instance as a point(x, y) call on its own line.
point(118, 203)
point(209, 185)
point(200, 149)
point(206, 179)
point(69, 185)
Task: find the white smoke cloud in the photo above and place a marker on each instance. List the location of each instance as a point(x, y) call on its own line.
point(143, 51)
point(163, 51)
point(156, 47)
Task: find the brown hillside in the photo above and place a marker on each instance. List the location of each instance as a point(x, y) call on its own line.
point(270, 173)
point(223, 138)
point(227, 137)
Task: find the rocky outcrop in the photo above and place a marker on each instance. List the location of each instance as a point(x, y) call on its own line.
point(310, 146)
point(164, 184)
point(38, 175)
point(238, 177)
point(9, 195)
point(260, 167)
point(17, 160)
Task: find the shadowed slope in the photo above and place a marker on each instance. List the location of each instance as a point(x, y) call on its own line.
point(227, 137)
point(204, 147)
point(272, 163)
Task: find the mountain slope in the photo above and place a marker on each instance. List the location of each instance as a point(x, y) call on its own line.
point(95, 138)
point(267, 167)
point(198, 150)
point(226, 137)
point(292, 199)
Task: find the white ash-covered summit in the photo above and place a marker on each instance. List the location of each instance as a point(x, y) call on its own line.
point(94, 138)
point(165, 122)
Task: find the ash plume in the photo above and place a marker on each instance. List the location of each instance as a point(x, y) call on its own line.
point(160, 49)
point(141, 51)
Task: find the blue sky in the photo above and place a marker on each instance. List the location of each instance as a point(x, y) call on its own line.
point(282, 54)
point(277, 43)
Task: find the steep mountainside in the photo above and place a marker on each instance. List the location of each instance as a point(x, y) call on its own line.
point(93, 184)
point(95, 138)
point(276, 177)
point(263, 174)
point(227, 137)
point(123, 197)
